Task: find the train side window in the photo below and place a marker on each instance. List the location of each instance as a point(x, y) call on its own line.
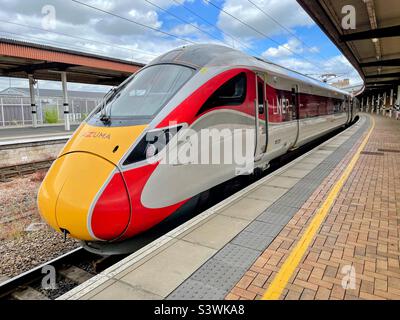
point(260, 90)
point(231, 93)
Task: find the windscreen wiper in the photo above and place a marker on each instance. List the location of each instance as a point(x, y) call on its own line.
point(106, 119)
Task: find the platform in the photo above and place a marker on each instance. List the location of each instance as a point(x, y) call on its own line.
point(295, 234)
point(17, 135)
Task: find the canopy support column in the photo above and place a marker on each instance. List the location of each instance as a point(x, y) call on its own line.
point(65, 101)
point(33, 100)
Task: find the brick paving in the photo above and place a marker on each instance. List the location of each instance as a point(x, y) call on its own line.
point(360, 233)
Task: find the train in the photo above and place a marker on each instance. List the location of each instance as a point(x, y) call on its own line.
point(111, 182)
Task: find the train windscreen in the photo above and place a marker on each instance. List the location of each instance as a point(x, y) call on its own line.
point(144, 95)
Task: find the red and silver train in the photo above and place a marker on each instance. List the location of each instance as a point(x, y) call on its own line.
point(102, 187)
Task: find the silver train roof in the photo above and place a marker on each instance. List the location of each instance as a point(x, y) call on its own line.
point(213, 55)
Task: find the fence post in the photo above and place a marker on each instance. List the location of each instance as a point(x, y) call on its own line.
point(72, 110)
point(22, 110)
point(58, 111)
point(2, 112)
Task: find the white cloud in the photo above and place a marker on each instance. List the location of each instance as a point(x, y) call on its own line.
point(80, 21)
point(111, 36)
point(293, 46)
point(337, 65)
point(126, 40)
point(288, 12)
point(187, 30)
point(149, 18)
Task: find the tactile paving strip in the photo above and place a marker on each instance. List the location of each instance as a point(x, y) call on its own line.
point(216, 277)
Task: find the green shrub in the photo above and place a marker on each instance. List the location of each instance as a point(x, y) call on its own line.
point(51, 116)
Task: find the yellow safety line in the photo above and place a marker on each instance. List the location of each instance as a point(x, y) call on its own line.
point(280, 281)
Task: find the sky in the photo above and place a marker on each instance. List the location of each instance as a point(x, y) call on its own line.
point(139, 30)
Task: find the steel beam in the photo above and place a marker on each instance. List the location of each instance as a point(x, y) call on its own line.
point(382, 63)
point(393, 31)
point(383, 75)
point(40, 66)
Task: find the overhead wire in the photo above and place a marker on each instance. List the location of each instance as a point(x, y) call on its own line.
point(182, 20)
point(79, 38)
point(290, 32)
point(260, 32)
point(216, 27)
point(283, 27)
point(133, 21)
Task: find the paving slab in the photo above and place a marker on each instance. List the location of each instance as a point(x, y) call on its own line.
point(267, 193)
point(282, 182)
point(295, 173)
point(246, 208)
point(119, 290)
point(159, 276)
point(217, 231)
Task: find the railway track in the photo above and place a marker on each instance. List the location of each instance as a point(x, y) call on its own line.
point(8, 172)
point(70, 270)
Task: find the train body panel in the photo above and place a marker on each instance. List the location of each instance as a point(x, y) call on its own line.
point(121, 173)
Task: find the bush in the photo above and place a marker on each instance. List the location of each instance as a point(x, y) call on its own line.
point(50, 116)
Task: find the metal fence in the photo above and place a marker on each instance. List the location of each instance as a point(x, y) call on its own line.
point(16, 111)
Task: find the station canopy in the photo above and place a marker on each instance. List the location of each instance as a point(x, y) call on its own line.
point(373, 47)
point(19, 58)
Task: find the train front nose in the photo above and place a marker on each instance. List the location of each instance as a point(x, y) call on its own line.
point(85, 195)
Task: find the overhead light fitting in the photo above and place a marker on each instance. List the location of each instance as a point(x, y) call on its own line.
point(375, 40)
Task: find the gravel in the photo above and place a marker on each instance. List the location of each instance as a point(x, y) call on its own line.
point(34, 248)
point(22, 250)
point(63, 286)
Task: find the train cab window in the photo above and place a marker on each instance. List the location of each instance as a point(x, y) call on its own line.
point(231, 93)
point(148, 91)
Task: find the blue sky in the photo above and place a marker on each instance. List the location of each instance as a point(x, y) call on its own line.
point(304, 48)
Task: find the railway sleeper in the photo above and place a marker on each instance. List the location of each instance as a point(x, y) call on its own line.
point(76, 274)
point(28, 293)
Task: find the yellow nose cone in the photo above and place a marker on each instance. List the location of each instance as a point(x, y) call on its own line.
point(79, 175)
point(70, 188)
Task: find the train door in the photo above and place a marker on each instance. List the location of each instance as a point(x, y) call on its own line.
point(351, 109)
point(348, 107)
point(296, 111)
point(261, 113)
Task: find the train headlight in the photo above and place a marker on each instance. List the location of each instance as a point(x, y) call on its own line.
point(151, 144)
